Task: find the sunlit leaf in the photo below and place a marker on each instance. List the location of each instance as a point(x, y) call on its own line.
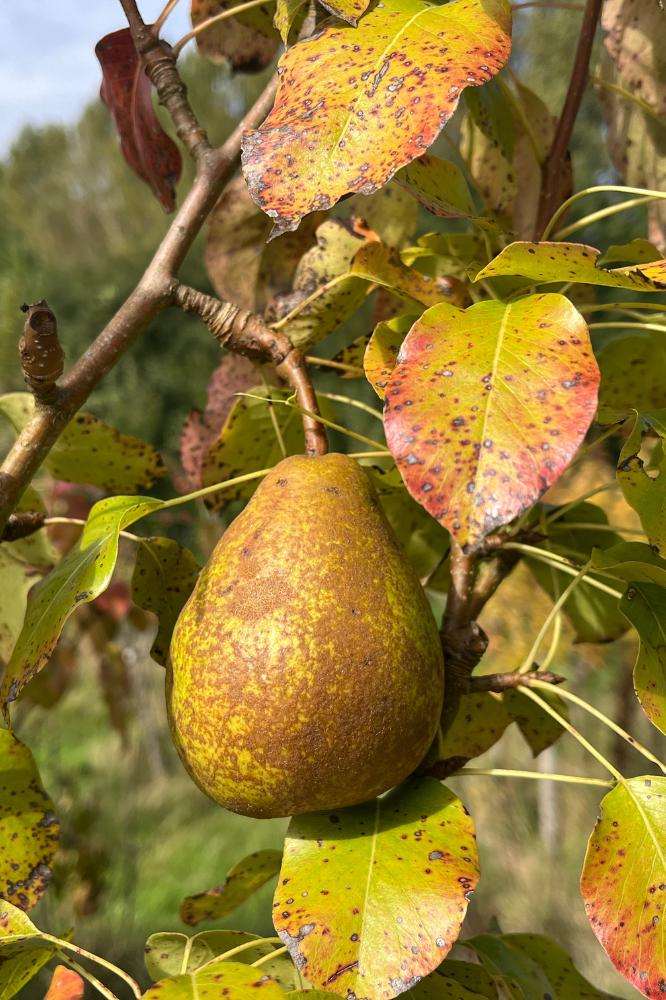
point(243, 880)
point(22, 950)
point(548, 262)
point(624, 881)
point(643, 491)
point(636, 251)
point(66, 984)
point(371, 898)
point(439, 185)
point(286, 15)
point(347, 10)
point(127, 92)
point(382, 350)
point(478, 724)
point(326, 135)
point(164, 953)
point(381, 265)
point(29, 829)
point(632, 375)
point(439, 254)
point(486, 408)
point(247, 41)
point(89, 451)
point(79, 578)
point(232, 980)
point(644, 605)
point(164, 576)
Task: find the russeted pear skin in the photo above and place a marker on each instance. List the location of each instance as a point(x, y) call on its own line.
point(306, 669)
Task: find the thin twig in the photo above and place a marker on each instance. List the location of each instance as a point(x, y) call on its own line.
point(210, 22)
point(163, 15)
point(499, 772)
point(507, 682)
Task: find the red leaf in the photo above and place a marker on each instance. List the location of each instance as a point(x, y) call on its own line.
point(65, 985)
point(127, 93)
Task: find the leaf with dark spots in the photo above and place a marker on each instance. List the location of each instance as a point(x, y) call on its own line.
point(66, 984)
point(632, 375)
point(90, 451)
point(83, 574)
point(23, 951)
point(382, 266)
point(439, 186)
point(29, 830)
point(644, 606)
point(163, 579)
point(247, 41)
point(553, 960)
point(382, 350)
point(288, 14)
point(371, 899)
point(486, 407)
point(499, 958)
point(346, 10)
point(539, 729)
point(164, 952)
point(127, 92)
point(642, 490)
point(624, 881)
point(550, 262)
point(391, 213)
point(476, 980)
point(327, 135)
point(477, 726)
point(243, 880)
point(233, 979)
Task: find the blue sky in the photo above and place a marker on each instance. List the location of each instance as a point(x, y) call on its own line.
point(48, 69)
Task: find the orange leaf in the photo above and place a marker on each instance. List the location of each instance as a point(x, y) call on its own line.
point(65, 985)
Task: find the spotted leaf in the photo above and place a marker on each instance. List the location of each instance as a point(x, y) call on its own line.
point(327, 134)
point(624, 881)
point(89, 451)
point(391, 213)
point(382, 266)
point(244, 879)
point(476, 980)
point(347, 10)
point(477, 726)
point(382, 350)
point(247, 41)
point(79, 578)
point(546, 262)
point(643, 491)
point(163, 578)
point(439, 185)
point(644, 605)
point(371, 898)
point(23, 951)
point(165, 952)
point(29, 829)
point(632, 371)
point(487, 406)
point(127, 92)
point(232, 980)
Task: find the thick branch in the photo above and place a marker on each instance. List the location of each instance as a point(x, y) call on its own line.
point(22, 524)
point(152, 294)
point(551, 171)
point(507, 682)
point(244, 333)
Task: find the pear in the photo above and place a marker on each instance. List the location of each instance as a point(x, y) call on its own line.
point(306, 669)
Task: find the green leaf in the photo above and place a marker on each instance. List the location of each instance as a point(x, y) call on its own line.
point(477, 726)
point(439, 185)
point(381, 265)
point(163, 578)
point(440, 254)
point(79, 578)
point(23, 952)
point(424, 541)
point(247, 41)
point(487, 406)
point(439, 987)
point(248, 442)
point(371, 898)
point(477, 980)
point(233, 980)
point(539, 729)
point(327, 134)
point(390, 212)
point(553, 960)
point(632, 375)
point(164, 952)
point(29, 829)
point(89, 451)
point(498, 956)
point(624, 881)
point(491, 113)
point(15, 584)
point(324, 294)
point(243, 880)
point(644, 605)
point(382, 350)
point(575, 262)
point(631, 561)
point(286, 14)
point(644, 492)
point(635, 252)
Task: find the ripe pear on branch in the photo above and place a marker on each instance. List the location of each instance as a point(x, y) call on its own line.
point(306, 668)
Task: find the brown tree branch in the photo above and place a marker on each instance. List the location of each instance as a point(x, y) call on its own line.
point(551, 171)
point(22, 524)
point(508, 682)
point(245, 333)
point(152, 294)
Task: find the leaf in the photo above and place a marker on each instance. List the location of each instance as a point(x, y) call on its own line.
point(391, 213)
point(644, 606)
point(243, 880)
point(164, 952)
point(487, 406)
point(556, 964)
point(247, 442)
point(382, 266)
point(347, 10)
point(475, 979)
point(632, 375)
point(22, 950)
point(163, 578)
point(66, 984)
point(247, 41)
point(371, 898)
point(234, 980)
point(79, 578)
point(89, 451)
point(498, 956)
point(15, 584)
point(445, 254)
point(29, 829)
point(575, 262)
point(631, 561)
point(439, 186)
point(286, 15)
point(324, 294)
point(127, 93)
point(382, 350)
point(539, 729)
point(636, 251)
point(644, 492)
point(423, 540)
point(326, 135)
point(477, 726)
point(624, 881)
